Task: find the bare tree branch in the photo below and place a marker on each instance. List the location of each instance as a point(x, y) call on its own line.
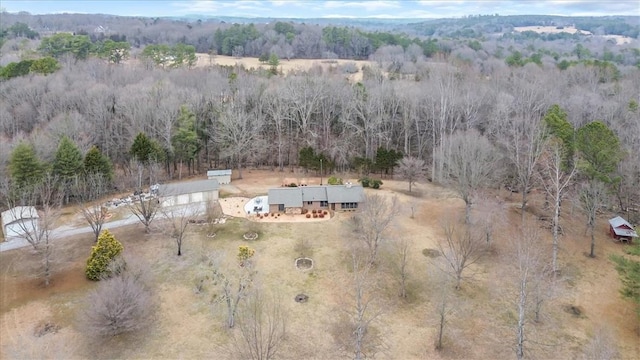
point(460, 248)
point(36, 226)
point(470, 164)
point(262, 326)
point(179, 217)
point(555, 180)
point(145, 209)
point(411, 169)
point(89, 193)
point(373, 220)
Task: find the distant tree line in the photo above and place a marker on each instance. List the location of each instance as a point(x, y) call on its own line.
point(472, 39)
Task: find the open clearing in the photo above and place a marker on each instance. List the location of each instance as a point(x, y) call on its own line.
point(551, 29)
point(189, 326)
point(620, 40)
point(285, 65)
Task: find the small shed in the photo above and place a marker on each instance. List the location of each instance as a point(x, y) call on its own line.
point(223, 176)
point(18, 221)
point(620, 229)
point(188, 192)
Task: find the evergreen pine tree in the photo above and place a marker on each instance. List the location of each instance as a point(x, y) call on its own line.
point(145, 150)
point(67, 163)
point(556, 121)
point(24, 166)
point(95, 162)
point(185, 141)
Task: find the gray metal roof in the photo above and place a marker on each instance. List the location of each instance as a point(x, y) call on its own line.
point(314, 193)
point(290, 197)
point(345, 193)
point(188, 187)
point(218, 172)
point(293, 197)
point(622, 227)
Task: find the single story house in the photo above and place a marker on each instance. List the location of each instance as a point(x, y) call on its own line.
point(188, 192)
point(223, 176)
point(18, 221)
point(292, 200)
point(620, 229)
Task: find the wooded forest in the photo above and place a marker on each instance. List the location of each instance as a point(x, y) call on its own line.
point(231, 116)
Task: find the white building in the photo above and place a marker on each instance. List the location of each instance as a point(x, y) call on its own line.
point(188, 192)
point(223, 176)
point(16, 222)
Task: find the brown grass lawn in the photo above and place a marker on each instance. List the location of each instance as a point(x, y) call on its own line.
point(188, 325)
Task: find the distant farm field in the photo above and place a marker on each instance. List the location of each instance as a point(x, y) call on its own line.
point(620, 40)
point(285, 66)
point(550, 29)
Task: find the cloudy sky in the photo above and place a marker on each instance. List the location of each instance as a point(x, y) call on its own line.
point(339, 8)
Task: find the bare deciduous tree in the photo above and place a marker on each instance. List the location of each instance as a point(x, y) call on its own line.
point(89, 192)
point(444, 304)
point(469, 165)
point(524, 140)
point(373, 220)
point(179, 217)
point(400, 255)
point(237, 131)
point(120, 304)
point(460, 248)
point(531, 273)
point(593, 196)
point(232, 286)
point(36, 226)
point(145, 210)
point(555, 180)
point(354, 332)
point(489, 215)
point(411, 169)
point(262, 327)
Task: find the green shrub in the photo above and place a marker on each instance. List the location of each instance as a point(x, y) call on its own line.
point(334, 181)
point(365, 181)
point(106, 249)
point(375, 183)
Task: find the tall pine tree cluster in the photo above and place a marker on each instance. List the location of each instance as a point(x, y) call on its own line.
point(68, 169)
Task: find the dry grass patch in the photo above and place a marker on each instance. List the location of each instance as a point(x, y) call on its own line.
point(188, 325)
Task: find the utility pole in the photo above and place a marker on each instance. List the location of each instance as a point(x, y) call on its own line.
point(320, 171)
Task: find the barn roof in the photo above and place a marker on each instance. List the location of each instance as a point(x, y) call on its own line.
point(188, 187)
point(18, 213)
point(621, 227)
point(218, 172)
point(290, 197)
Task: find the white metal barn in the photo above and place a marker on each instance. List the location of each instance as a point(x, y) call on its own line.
point(189, 192)
point(16, 222)
point(223, 176)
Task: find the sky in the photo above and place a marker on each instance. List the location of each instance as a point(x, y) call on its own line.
point(329, 9)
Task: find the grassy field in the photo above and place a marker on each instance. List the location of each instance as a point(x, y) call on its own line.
point(619, 39)
point(285, 66)
point(188, 325)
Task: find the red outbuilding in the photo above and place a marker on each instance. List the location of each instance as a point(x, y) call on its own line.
point(621, 230)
